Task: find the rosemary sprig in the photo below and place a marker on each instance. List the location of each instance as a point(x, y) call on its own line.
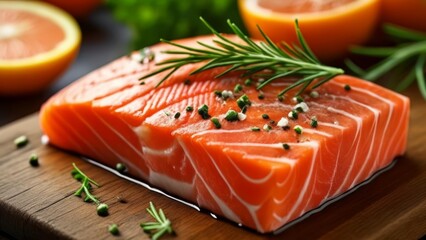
point(86, 187)
point(403, 64)
point(160, 227)
point(251, 57)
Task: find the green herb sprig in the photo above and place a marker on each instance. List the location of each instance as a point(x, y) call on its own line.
point(251, 57)
point(160, 227)
point(86, 187)
point(403, 63)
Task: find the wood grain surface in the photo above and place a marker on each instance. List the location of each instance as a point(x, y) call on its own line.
point(38, 202)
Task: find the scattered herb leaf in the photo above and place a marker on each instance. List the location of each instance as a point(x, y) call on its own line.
point(243, 101)
point(216, 122)
point(204, 111)
point(161, 226)
point(231, 116)
point(255, 129)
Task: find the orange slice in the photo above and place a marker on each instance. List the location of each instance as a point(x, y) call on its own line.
point(37, 44)
point(329, 26)
point(410, 14)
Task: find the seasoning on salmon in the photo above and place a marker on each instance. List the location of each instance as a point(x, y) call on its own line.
point(240, 171)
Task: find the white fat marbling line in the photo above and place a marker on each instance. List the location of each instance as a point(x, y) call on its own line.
point(332, 125)
point(282, 200)
point(82, 141)
point(391, 105)
point(288, 161)
point(183, 189)
point(280, 84)
point(250, 207)
point(373, 134)
point(128, 162)
point(226, 211)
point(315, 146)
point(175, 90)
point(317, 132)
point(158, 96)
point(220, 131)
point(160, 152)
point(383, 155)
point(148, 103)
point(277, 105)
point(107, 146)
point(357, 137)
point(119, 135)
point(250, 179)
point(341, 128)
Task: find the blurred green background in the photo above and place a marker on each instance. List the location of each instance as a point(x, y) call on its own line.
point(150, 20)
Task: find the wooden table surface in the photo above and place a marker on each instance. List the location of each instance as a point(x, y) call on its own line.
point(38, 202)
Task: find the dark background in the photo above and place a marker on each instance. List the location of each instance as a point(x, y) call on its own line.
point(103, 40)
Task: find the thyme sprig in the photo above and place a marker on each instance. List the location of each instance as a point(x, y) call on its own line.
point(402, 64)
point(252, 57)
point(160, 227)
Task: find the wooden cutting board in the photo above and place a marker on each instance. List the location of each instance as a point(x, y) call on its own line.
point(38, 202)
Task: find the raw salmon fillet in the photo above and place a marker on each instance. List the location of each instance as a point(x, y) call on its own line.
point(260, 177)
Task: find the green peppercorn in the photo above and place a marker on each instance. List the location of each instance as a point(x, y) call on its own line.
point(238, 88)
point(218, 93)
point(113, 229)
point(121, 168)
point(21, 141)
point(347, 87)
point(189, 108)
point(187, 82)
point(34, 160)
point(177, 115)
point(102, 209)
point(286, 146)
point(298, 129)
point(265, 116)
point(314, 122)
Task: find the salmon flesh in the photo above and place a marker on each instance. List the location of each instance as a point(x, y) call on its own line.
point(262, 168)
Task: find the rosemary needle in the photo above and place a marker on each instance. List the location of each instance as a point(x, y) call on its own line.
point(252, 57)
point(408, 58)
